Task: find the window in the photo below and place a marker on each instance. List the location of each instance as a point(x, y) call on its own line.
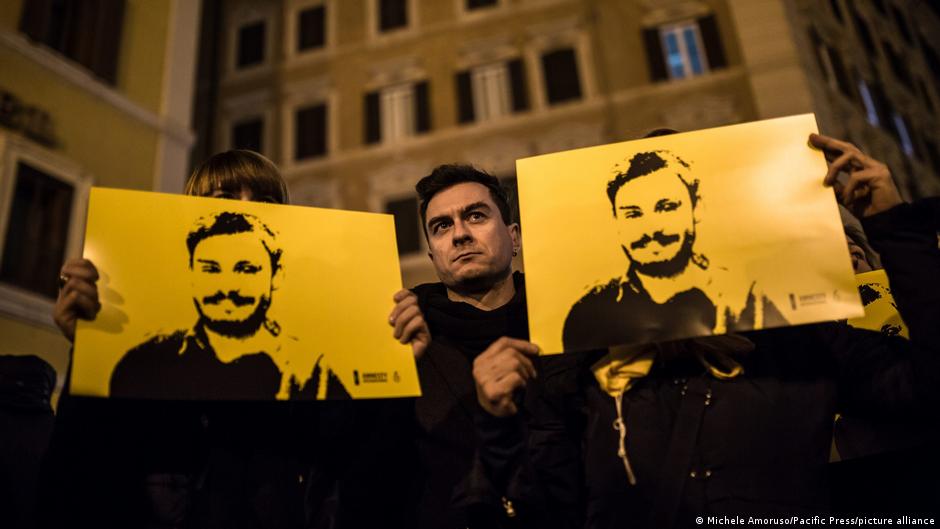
point(864, 33)
point(684, 49)
point(393, 14)
point(925, 93)
point(470, 5)
point(250, 47)
point(310, 132)
point(871, 112)
point(397, 112)
point(37, 230)
point(408, 230)
point(560, 69)
point(898, 65)
point(311, 28)
point(903, 134)
point(837, 73)
point(248, 134)
point(490, 91)
point(901, 23)
point(86, 31)
point(836, 10)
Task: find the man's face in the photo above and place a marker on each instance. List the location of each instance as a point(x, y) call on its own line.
point(469, 243)
point(231, 279)
point(655, 223)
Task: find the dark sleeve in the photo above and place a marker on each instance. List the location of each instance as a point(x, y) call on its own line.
point(533, 459)
point(882, 375)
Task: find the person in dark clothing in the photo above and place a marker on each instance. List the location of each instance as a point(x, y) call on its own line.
point(147, 463)
point(741, 425)
point(478, 309)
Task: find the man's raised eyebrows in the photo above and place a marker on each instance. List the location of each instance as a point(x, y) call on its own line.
point(475, 206)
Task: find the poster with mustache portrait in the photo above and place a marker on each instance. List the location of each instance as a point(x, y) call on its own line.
point(881, 314)
point(207, 298)
point(691, 234)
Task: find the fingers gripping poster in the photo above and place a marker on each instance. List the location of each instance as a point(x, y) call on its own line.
point(207, 298)
point(707, 232)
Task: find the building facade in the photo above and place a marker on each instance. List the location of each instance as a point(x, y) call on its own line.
point(356, 100)
point(93, 92)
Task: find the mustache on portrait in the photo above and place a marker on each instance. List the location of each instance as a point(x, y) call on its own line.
point(659, 237)
point(233, 296)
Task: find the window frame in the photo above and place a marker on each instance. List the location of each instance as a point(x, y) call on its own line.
point(372, 20)
point(579, 41)
point(296, 97)
point(679, 28)
point(238, 20)
point(15, 301)
point(241, 108)
point(292, 30)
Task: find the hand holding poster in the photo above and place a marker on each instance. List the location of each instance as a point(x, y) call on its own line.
point(708, 232)
point(220, 299)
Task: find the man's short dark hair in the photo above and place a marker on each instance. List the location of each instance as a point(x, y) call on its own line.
point(230, 223)
point(644, 163)
point(445, 176)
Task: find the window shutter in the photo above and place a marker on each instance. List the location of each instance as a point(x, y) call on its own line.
point(517, 82)
point(654, 55)
point(464, 98)
point(711, 38)
point(371, 122)
point(34, 21)
point(561, 76)
point(310, 132)
point(108, 40)
point(422, 108)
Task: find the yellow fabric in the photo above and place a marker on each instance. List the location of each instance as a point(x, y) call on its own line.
point(623, 365)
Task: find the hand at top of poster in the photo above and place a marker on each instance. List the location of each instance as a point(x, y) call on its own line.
point(78, 295)
point(869, 188)
point(408, 322)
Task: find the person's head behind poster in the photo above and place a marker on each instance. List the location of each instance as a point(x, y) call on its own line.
point(239, 174)
point(468, 223)
point(653, 203)
point(233, 258)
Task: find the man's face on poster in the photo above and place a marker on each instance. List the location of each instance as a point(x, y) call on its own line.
point(231, 278)
point(655, 223)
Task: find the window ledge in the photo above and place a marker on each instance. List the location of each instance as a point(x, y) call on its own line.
point(25, 305)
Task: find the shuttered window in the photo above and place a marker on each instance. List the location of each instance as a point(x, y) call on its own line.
point(560, 68)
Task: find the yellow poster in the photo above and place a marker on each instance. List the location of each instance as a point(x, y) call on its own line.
point(206, 298)
point(706, 232)
point(881, 314)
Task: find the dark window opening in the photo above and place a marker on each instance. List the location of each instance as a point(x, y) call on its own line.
point(37, 232)
point(838, 69)
point(422, 107)
point(251, 45)
point(310, 132)
point(393, 14)
point(903, 28)
point(86, 31)
point(561, 76)
point(864, 34)
point(371, 121)
point(311, 28)
point(925, 94)
point(477, 4)
point(248, 135)
point(898, 66)
point(836, 9)
point(408, 231)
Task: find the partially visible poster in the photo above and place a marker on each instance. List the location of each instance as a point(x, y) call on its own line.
point(693, 234)
point(881, 314)
point(206, 298)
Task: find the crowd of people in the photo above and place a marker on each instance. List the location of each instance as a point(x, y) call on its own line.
point(656, 435)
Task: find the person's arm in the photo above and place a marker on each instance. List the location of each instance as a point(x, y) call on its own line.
point(880, 374)
point(529, 449)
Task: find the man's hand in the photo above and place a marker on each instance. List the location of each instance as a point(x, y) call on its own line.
point(78, 296)
point(869, 188)
point(499, 371)
point(409, 323)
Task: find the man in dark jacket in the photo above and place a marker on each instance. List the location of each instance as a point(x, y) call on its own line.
point(477, 310)
point(689, 442)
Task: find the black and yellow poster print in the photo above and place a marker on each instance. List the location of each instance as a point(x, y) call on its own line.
point(707, 232)
point(207, 298)
point(881, 313)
